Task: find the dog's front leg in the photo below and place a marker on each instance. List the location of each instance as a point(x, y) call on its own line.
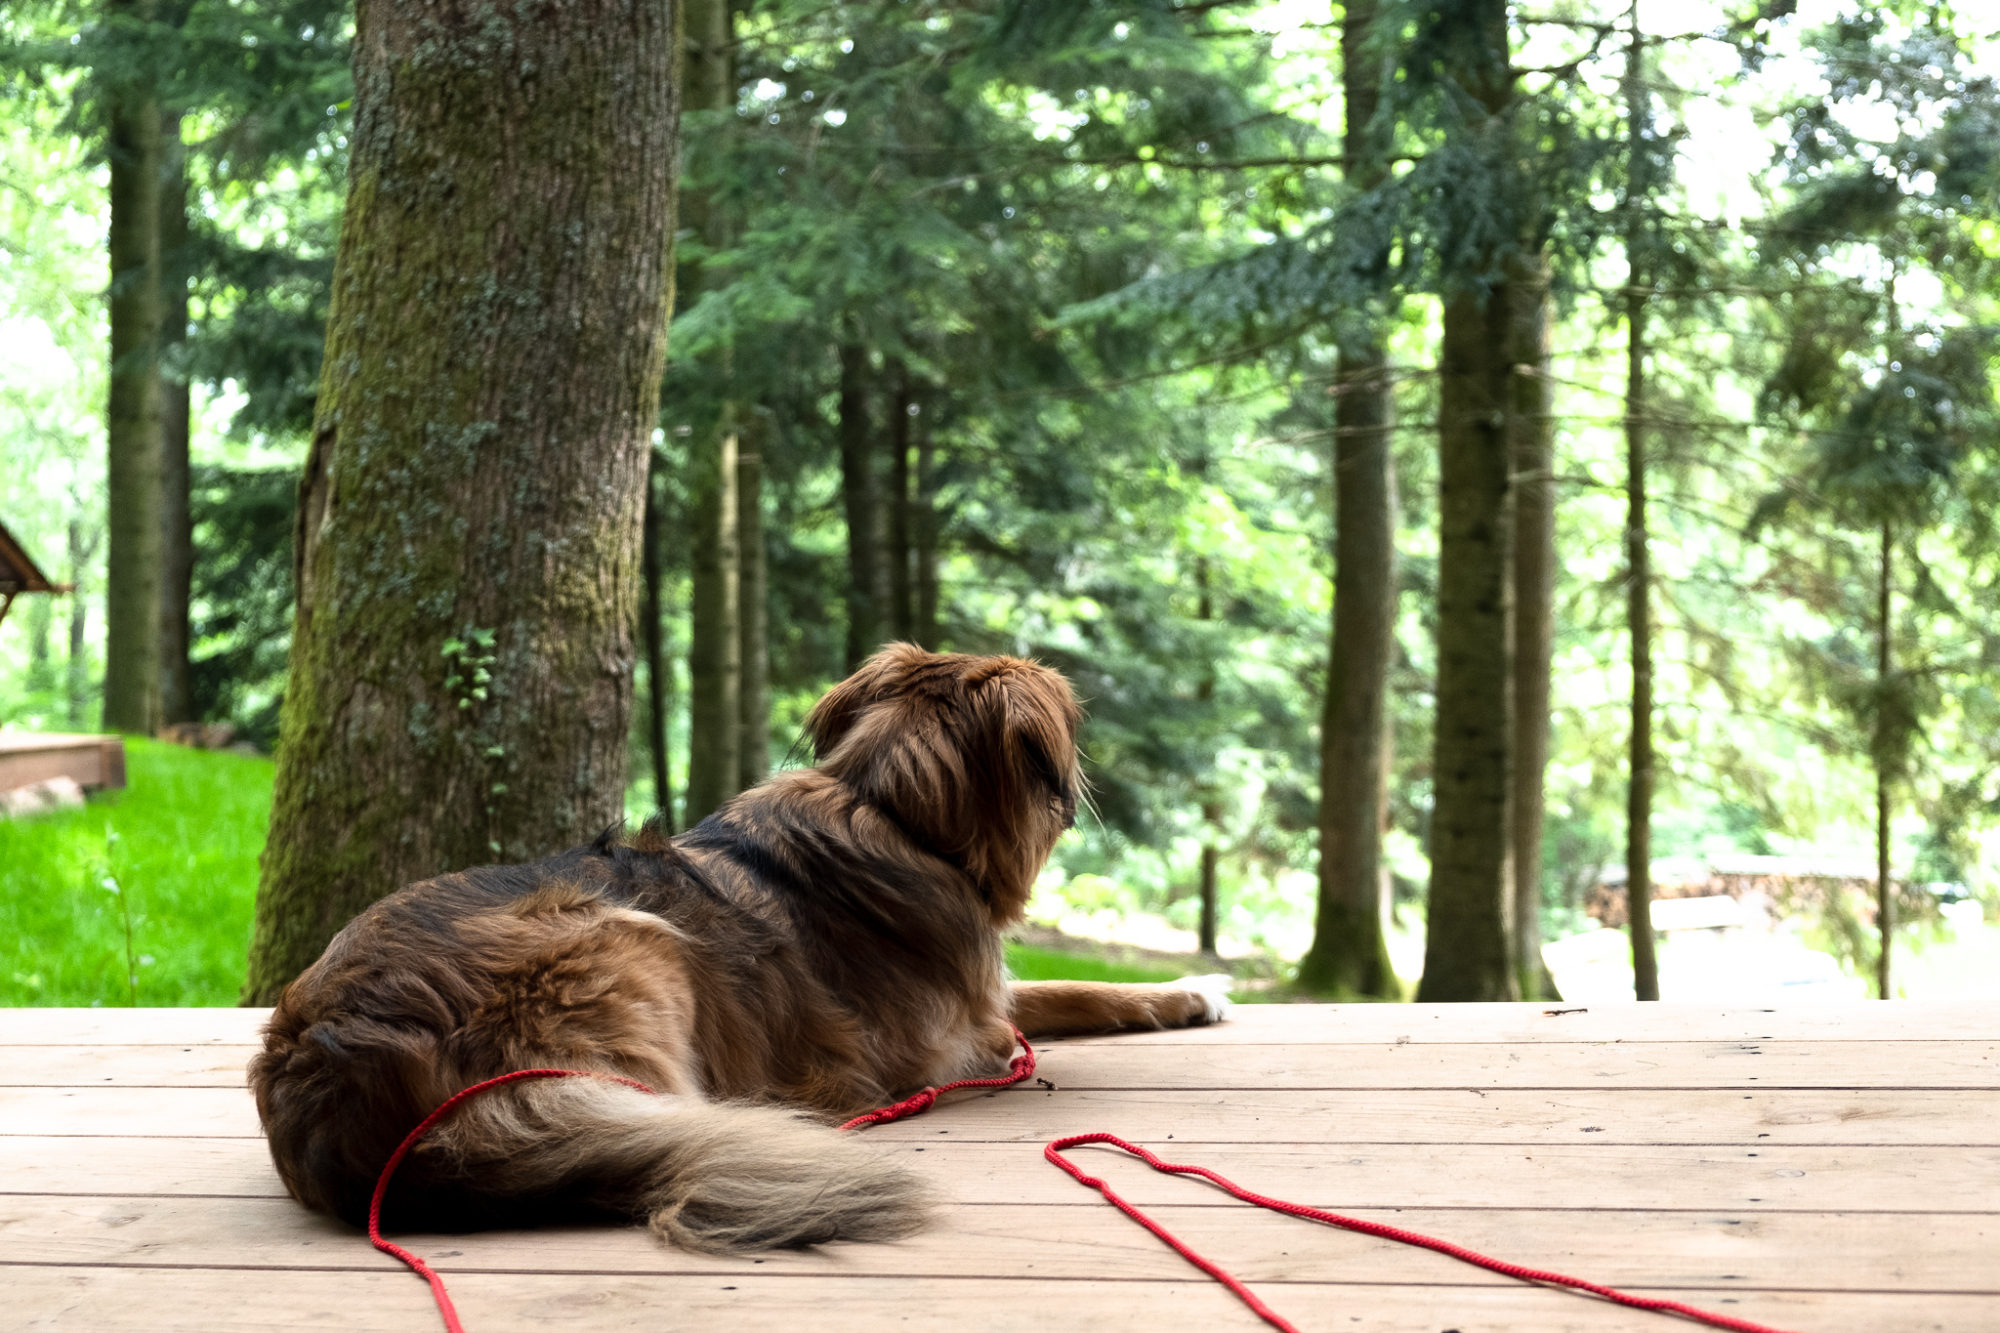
point(1074, 1008)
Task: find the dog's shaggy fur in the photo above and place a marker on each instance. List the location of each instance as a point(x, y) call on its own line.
point(827, 942)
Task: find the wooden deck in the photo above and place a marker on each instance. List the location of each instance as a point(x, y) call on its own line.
point(1817, 1169)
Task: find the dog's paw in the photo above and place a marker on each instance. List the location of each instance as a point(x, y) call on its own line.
point(1212, 989)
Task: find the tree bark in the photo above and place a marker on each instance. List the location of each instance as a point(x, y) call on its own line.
point(1885, 890)
point(132, 569)
point(1530, 424)
point(1350, 952)
point(1638, 557)
point(861, 492)
point(715, 666)
point(176, 523)
point(754, 665)
point(653, 634)
point(468, 532)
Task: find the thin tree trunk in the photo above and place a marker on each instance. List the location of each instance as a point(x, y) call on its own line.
point(715, 664)
point(1211, 810)
point(754, 695)
point(653, 627)
point(468, 531)
point(902, 613)
point(176, 523)
point(924, 539)
point(132, 569)
point(1467, 955)
point(861, 490)
point(1530, 424)
point(1638, 556)
point(78, 664)
point(1885, 893)
point(1350, 951)
point(715, 649)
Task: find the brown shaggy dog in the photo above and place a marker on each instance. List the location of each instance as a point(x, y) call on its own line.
point(826, 943)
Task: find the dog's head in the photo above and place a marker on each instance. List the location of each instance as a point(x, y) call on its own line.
point(974, 756)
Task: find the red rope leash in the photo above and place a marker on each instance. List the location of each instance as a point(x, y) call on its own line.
point(429, 1122)
point(1020, 1070)
point(1054, 1154)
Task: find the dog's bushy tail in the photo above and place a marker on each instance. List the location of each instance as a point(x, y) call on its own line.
point(710, 1176)
point(707, 1176)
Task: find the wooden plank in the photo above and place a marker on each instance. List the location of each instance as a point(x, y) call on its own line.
point(1771, 1116)
point(1332, 1175)
point(1336, 1024)
point(1784, 1063)
point(222, 1300)
point(128, 1027)
point(202, 1065)
point(228, 1168)
point(1718, 1250)
point(1318, 1024)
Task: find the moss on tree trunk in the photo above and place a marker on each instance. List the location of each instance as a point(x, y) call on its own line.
point(469, 520)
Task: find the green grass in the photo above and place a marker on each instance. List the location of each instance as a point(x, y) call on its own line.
point(188, 829)
point(1030, 963)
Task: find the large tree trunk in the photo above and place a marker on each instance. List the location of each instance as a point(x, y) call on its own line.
point(754, 665)
point(469, 519)
point(132, 571)
point(861, 491)
point(1638, 554)
point(1530, 422)
point(715, 683)
point(653, 635)
point(176, 523)
point(1350, 951)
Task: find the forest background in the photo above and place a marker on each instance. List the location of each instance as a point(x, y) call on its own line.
point(1630, 367)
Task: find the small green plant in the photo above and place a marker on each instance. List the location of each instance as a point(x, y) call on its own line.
point(471, 661)
point(471, 658)
point(108, 881)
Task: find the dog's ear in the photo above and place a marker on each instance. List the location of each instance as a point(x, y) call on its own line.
point(872, 682)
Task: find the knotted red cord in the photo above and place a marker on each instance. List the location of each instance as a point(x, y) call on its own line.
point(1054, 1153)
point(1020, 1070)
